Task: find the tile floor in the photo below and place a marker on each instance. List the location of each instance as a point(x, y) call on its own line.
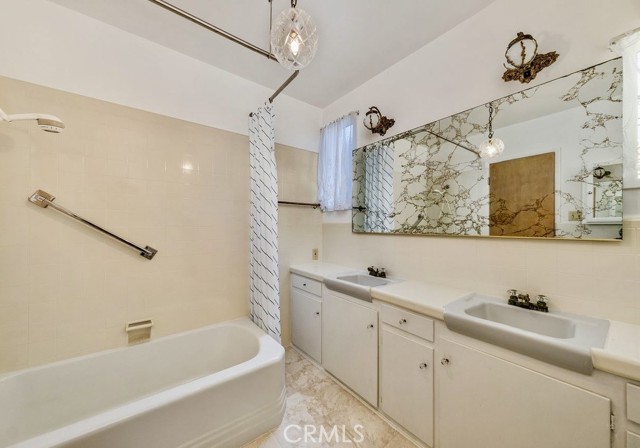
point(314, 398)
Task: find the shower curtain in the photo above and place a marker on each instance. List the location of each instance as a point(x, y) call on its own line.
point(378, 187)
point(263, 242)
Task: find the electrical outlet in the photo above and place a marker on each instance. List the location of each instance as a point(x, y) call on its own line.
point(314, 254)
point(575, 215)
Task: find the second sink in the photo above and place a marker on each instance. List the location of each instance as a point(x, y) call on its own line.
point(562, 339)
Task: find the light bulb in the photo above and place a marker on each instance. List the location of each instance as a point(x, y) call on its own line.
point(294, 43)
point(491, 148)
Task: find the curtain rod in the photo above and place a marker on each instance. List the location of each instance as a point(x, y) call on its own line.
point(209, 26)
point(281, 88)
point(357, 112)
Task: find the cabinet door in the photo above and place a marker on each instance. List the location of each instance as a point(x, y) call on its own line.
point(484, 401)
point(406, 383)
point(306, 321)
point(350, 345)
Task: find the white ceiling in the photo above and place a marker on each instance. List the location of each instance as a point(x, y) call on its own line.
point(357, 38)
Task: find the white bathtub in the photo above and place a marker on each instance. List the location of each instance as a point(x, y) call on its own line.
point(218, 386)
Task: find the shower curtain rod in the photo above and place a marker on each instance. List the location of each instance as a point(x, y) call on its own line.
point(232, 37)
point(206, 25)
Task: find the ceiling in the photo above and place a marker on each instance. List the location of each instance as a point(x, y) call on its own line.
point(357, 38)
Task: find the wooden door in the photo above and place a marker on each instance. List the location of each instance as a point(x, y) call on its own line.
point(487, 402)
point(306, 323)
point(406, 382)
point(350, 345)
point(522, 196)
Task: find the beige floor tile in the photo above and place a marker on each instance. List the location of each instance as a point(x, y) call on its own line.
point(316, 400)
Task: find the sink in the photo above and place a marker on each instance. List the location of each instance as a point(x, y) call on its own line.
point(356, 284)
point(364, 280)
point(562, 339)
point(537, 322)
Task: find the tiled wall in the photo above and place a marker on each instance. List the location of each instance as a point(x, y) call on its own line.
point(299, 228)
point(595, 278)
point(181, 188)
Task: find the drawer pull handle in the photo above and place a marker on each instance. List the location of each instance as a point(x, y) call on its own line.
point(370, 326)
point(423, 366)
point(317, 313)
point(402, 321)
point(304, 284)
point(445, 361)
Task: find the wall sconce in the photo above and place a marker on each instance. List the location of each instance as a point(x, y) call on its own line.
point(530, 61)
point(377, 123)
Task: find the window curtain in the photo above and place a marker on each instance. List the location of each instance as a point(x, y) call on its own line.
point(378, 188)
point(263, 241)
point(337, 142)
point(628, 46)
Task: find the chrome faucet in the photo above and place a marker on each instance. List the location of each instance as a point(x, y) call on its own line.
point(377, 272)
point(524, 301)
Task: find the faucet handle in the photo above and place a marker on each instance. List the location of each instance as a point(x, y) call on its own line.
point(512, 292)
point(542, 298)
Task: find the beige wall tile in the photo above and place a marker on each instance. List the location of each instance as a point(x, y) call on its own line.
point(182, 188)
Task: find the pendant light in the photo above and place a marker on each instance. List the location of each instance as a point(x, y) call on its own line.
point(294, 38)
point(493, 146)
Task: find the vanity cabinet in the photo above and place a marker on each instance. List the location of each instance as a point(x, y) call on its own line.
point(406, 382)
point(350, 343)
point(306, 316)
point(485, 401)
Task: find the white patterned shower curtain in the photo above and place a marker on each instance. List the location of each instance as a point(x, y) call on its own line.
point(263, 243)
point(378, 186)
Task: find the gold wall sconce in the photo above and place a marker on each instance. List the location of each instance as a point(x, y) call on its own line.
point(530, 61)
point(376, 122)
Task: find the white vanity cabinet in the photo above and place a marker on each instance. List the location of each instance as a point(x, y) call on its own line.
point(306, 315)
point(406, 370)
point(485, 401)
point(350, 343)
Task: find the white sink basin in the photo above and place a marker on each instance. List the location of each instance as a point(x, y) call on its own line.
point(356, 284)
point(562, 339)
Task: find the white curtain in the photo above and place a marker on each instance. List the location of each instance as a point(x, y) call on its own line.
point(337, 142)
point(263, 244)
point(378, 187)
point(629, 47)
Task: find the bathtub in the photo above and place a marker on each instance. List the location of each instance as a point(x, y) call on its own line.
point(218, 386)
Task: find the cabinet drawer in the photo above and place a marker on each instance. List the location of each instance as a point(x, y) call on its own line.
point(633, 403)
point(306, 284)
point(406, 320)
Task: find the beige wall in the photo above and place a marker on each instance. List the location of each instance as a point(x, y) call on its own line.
point(299, 228)
point(181, 188)
point(595, 278)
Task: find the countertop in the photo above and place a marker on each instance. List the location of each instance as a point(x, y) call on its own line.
point(620, 355)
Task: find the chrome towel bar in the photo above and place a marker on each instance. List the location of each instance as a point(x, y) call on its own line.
point(44, 200)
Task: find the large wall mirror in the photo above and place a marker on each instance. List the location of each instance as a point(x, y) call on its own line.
point(560, 175)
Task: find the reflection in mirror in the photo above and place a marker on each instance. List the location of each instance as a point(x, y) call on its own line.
point(560, 174)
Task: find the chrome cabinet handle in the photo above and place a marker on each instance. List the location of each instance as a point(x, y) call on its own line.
point(423, 366)
point(445, 361)
point(402, 321)
point(370, 326)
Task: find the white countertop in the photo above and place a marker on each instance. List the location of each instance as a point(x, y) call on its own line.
point(423, 298)
point(318, 270)
point(620, 355)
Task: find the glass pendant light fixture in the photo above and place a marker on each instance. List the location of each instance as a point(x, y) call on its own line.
point(294, 38)
point(493, 146)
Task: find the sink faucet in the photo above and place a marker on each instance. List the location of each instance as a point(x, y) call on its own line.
point(524, 301)
point(377, 273)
